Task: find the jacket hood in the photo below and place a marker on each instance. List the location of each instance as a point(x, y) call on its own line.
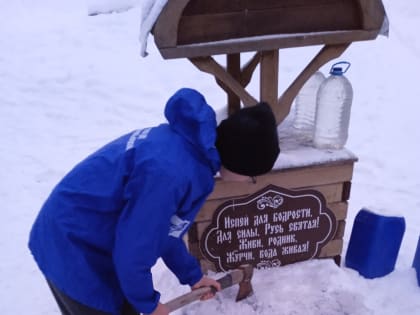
point(190, 116)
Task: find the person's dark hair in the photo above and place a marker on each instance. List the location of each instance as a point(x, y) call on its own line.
point(247, 141)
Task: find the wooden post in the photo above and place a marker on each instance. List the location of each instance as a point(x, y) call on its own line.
point(234, 68)
point(269, 77)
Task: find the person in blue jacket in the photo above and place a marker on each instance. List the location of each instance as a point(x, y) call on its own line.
point(128, 204)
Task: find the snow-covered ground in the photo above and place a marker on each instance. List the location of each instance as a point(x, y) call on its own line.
point(70, 82)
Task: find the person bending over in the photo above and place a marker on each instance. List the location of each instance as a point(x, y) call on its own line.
point(118, 211)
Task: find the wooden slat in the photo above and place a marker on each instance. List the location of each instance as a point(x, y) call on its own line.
point(341, 227)
point(273, 4)
point(193, 234)
point(290, 178)
point(312, 17)
point(198, 7)
point(332, 249)
point(194, 249)
point(340, 210)
point(269, 77)
point(201, 227)
point(309, 18)
point(207, 266)
point(209, 27)
point(261, 43)
point(346, 191)
point(331, 192)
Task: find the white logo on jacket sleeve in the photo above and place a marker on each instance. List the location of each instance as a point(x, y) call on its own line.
point(178, 226)
point(138, 134)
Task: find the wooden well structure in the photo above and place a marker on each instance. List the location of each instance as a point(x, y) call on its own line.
point(200, 29)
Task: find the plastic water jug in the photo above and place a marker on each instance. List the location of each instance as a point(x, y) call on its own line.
point(332, 115)
point(305, 104)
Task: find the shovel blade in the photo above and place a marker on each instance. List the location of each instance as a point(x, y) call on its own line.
point(245, 290)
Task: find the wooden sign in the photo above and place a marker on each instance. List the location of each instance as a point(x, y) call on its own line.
point(270, 228)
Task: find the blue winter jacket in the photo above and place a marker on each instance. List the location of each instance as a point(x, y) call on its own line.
point(108, 221)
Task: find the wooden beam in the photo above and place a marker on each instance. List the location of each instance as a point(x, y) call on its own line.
point(326, 54)
point(233, 62)
point(262, 43)
point(249, 68)
point(209, 65)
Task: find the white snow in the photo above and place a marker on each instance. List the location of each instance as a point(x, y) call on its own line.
point(297, 151)
point(70, 83)
point(108, 6)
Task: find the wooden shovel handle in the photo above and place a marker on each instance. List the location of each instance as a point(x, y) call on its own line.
point(188, 298)
point(226, 281)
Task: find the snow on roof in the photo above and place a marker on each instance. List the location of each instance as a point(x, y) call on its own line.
point(150, 12)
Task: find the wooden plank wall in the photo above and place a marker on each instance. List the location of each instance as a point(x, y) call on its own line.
point(333, 181)
point(214, 20)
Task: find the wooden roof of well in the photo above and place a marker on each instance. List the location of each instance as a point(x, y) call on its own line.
point(193, 28)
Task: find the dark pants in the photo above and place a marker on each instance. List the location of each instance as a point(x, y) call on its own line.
point(68, 306)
